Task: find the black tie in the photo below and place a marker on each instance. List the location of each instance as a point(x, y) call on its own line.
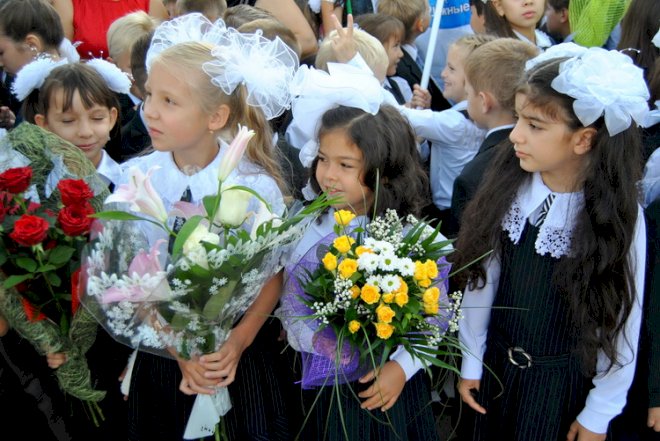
point(544, 209)
point(179, 221)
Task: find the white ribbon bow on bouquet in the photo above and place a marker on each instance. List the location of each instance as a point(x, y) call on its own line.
point(206, 413)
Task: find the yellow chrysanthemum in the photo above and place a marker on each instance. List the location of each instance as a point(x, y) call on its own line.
point(344, 217)
point(388, 297)
point(420, 271)
point(384, 313)
point(343, 244)
point(360, 250)
point(431, 295)
point(401, 299)
point(431, 308)
point(347, 268)
point(353, 326)
point(370, 294)
point(431, 269)
point(425, 283)
point(329, 261)
point(355, 292)
point(384, 330)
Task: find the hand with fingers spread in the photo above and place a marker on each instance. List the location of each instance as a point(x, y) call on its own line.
point(343, 44)
point(55, 359)
point(578, 432)
point(221, 365)
point(194, 381)
point(386, 387)
point(465, 389)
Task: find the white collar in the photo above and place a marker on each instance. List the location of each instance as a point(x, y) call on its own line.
point(498, 128)
point(461, 105)
point(412, 50)
point(108, 169)
point(542, 39)
point(556, 232)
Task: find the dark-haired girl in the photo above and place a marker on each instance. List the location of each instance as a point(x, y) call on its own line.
point(552, 317)
point(371, 163)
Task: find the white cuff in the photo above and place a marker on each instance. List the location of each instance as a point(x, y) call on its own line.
point(410, 365)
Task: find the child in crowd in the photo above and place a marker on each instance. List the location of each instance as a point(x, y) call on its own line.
point(477, 19)
point(552, 318)
point(557, 23)
point(454, 137)
point(369, 159)
point(415, 16)
point(389, 31)
point(516, 19)
point(490, 96)
point(236, 16)
point(211, 9)
point(188, 117)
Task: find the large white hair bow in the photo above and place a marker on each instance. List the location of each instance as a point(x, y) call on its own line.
point(183, 29)
point(603, 83)
point(316, 91)
point(266, 68)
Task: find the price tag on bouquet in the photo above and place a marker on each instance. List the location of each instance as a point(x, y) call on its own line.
point(206, 413)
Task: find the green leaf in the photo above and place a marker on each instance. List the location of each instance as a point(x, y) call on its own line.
point(116, 215)
point(184, 233)
point(15, 280)
point(54, 279)
point(3, 255)
point(27, 264)
point(217, 302)
point(45, 268)
point(60, 255)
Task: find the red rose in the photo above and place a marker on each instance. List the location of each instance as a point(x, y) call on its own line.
point(32, 312)
point(74, 191)
point(29, 230)
point(74, 219)
point(16, 180)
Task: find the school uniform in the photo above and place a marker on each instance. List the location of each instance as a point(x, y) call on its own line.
point(467, 182)
point(519, 324)
point(409, 70)
point(157, 409)
point(411, 417)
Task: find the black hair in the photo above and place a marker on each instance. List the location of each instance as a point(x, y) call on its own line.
point(638, 27)
point(391, 161)
point(597, 280)
point(19, 18)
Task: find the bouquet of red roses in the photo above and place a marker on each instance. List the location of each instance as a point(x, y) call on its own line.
point(48, 189)
point(40, 250)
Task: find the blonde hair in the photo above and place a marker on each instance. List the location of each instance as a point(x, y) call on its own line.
point(368, 46)
point(126, 30)
point(472, 41)
point(408, 11)
point(191, 56)
point(496, 67)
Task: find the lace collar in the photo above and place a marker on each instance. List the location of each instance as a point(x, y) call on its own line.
point(555, 233)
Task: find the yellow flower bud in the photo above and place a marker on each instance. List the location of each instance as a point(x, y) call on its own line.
point(329, 261)
point(344, 217)
point(401, 298)
point(420, 271)
point(355, 292)
point(384, 313)
point(388, 298)
point(370, 294)
point(403, 287)
point(384, 330)
point(431, 308)
point(360, 250)
point(343, 244)
point(431, 269)
point(347, 268)
point(353, 326)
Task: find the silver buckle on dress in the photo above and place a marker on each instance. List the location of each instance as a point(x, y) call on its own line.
point(521, 351)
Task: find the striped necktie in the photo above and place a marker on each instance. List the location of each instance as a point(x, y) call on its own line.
point(544, 209)
point(179, 221)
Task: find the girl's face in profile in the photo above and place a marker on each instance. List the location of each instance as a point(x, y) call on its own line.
point(340, 172)
point(14, 55)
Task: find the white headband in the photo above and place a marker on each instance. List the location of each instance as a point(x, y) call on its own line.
point(33, 75)
point(603, 83)
point(263, 66)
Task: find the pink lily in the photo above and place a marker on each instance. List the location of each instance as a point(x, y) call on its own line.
point(144, 264)
point(187, 210)
point(235, 152)
point(140, 194)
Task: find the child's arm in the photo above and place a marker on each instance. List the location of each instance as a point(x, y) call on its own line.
point(288, 12)
point(608, 396)
point(221, 365)
point(328, 10)
point(421, 98)
point(473, 330)
point(386, 388)
point(446, 127)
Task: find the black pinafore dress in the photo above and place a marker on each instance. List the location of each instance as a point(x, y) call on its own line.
point(532, 386)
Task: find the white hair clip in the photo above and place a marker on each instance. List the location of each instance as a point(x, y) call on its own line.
point(183, 29)
point(33, 75)
point(266, 68)
point(603, 83)
point(656, 39)
point(116, 79)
